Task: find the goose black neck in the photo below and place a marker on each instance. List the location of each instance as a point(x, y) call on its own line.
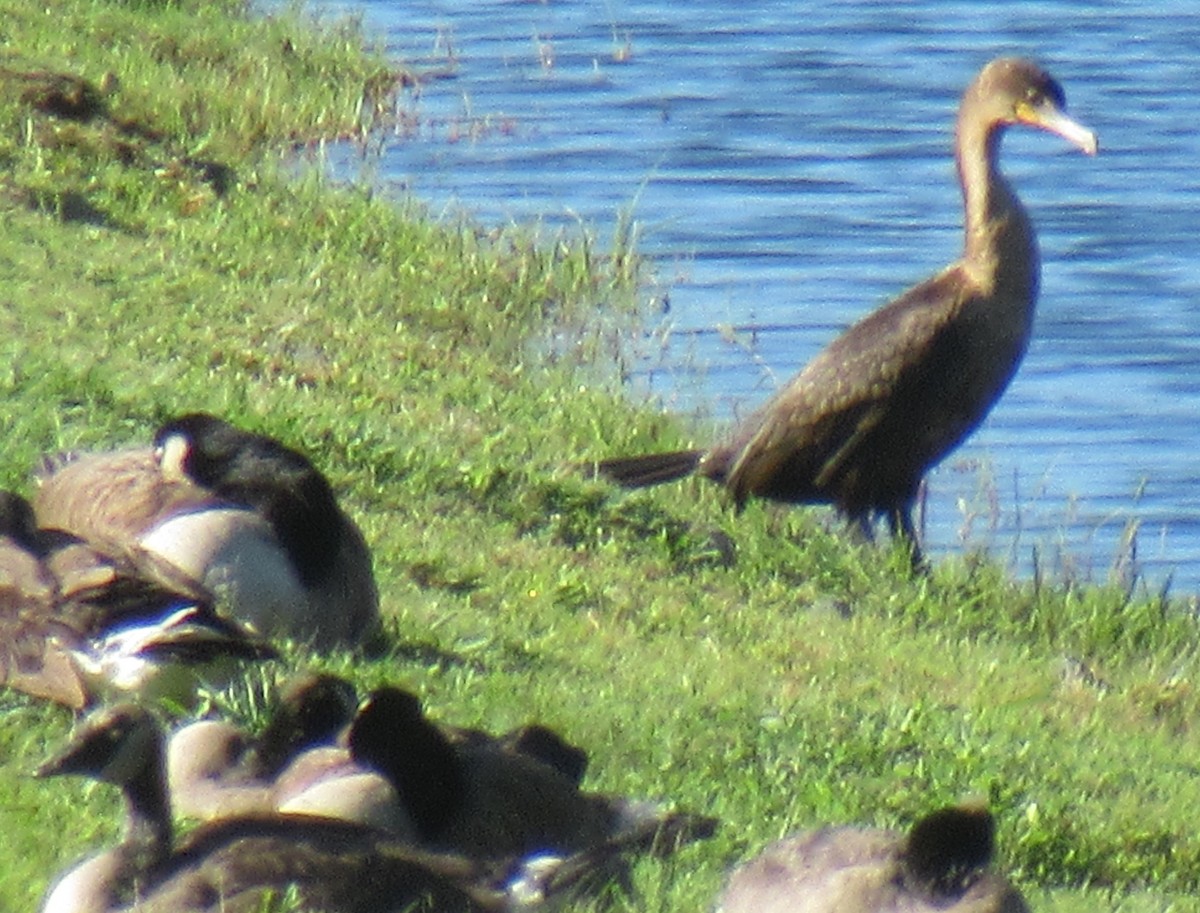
point(392, 734)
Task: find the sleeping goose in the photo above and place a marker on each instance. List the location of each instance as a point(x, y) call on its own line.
point(939, 866)
point(246, 516)
point(490, 797)
point(448, 789)
point(216, 769)
point(319, 756)
point(238, 864)
point(77, 623)
point(311, 708)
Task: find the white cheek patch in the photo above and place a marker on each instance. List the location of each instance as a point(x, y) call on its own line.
point(171, 454)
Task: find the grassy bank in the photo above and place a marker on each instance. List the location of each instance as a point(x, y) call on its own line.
point(156, 257)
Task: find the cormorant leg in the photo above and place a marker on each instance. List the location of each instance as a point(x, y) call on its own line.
point(862, 527)
point(901, 524)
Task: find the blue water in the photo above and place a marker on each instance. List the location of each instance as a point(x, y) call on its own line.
point(789, 167)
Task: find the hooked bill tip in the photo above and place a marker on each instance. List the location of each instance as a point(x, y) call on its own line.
point(1071, 130)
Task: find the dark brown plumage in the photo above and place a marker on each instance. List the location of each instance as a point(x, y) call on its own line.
point(238, 863)
point(216, 769)
point(77, 622)
point(861, 425)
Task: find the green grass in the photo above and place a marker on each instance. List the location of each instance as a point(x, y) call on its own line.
point(158, 258)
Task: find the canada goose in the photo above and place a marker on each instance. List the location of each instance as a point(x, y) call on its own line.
point(488, 798)
point(237, 863)
point(939, 865)
point(330, 782)
point(448, 789)
point(76, 622)
point(866, 419)
point(207, 772)
point(251, 519)
point(216, 770)
point(317, 755)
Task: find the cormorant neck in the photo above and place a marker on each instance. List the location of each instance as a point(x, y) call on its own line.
point(987, 198)
point(999, 250)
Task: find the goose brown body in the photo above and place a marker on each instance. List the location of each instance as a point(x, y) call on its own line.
point(76, 622)
point(444, 788)
point(237, 863)
point(496, 797)
point(864, 421)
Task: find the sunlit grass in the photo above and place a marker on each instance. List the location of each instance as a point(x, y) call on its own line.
point(763, 668)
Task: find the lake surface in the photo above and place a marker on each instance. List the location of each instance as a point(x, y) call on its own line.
point(789, 167)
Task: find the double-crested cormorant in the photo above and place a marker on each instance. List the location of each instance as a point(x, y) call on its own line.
point(898, 390)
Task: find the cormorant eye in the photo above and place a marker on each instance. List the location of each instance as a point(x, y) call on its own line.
point(1034, 96)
